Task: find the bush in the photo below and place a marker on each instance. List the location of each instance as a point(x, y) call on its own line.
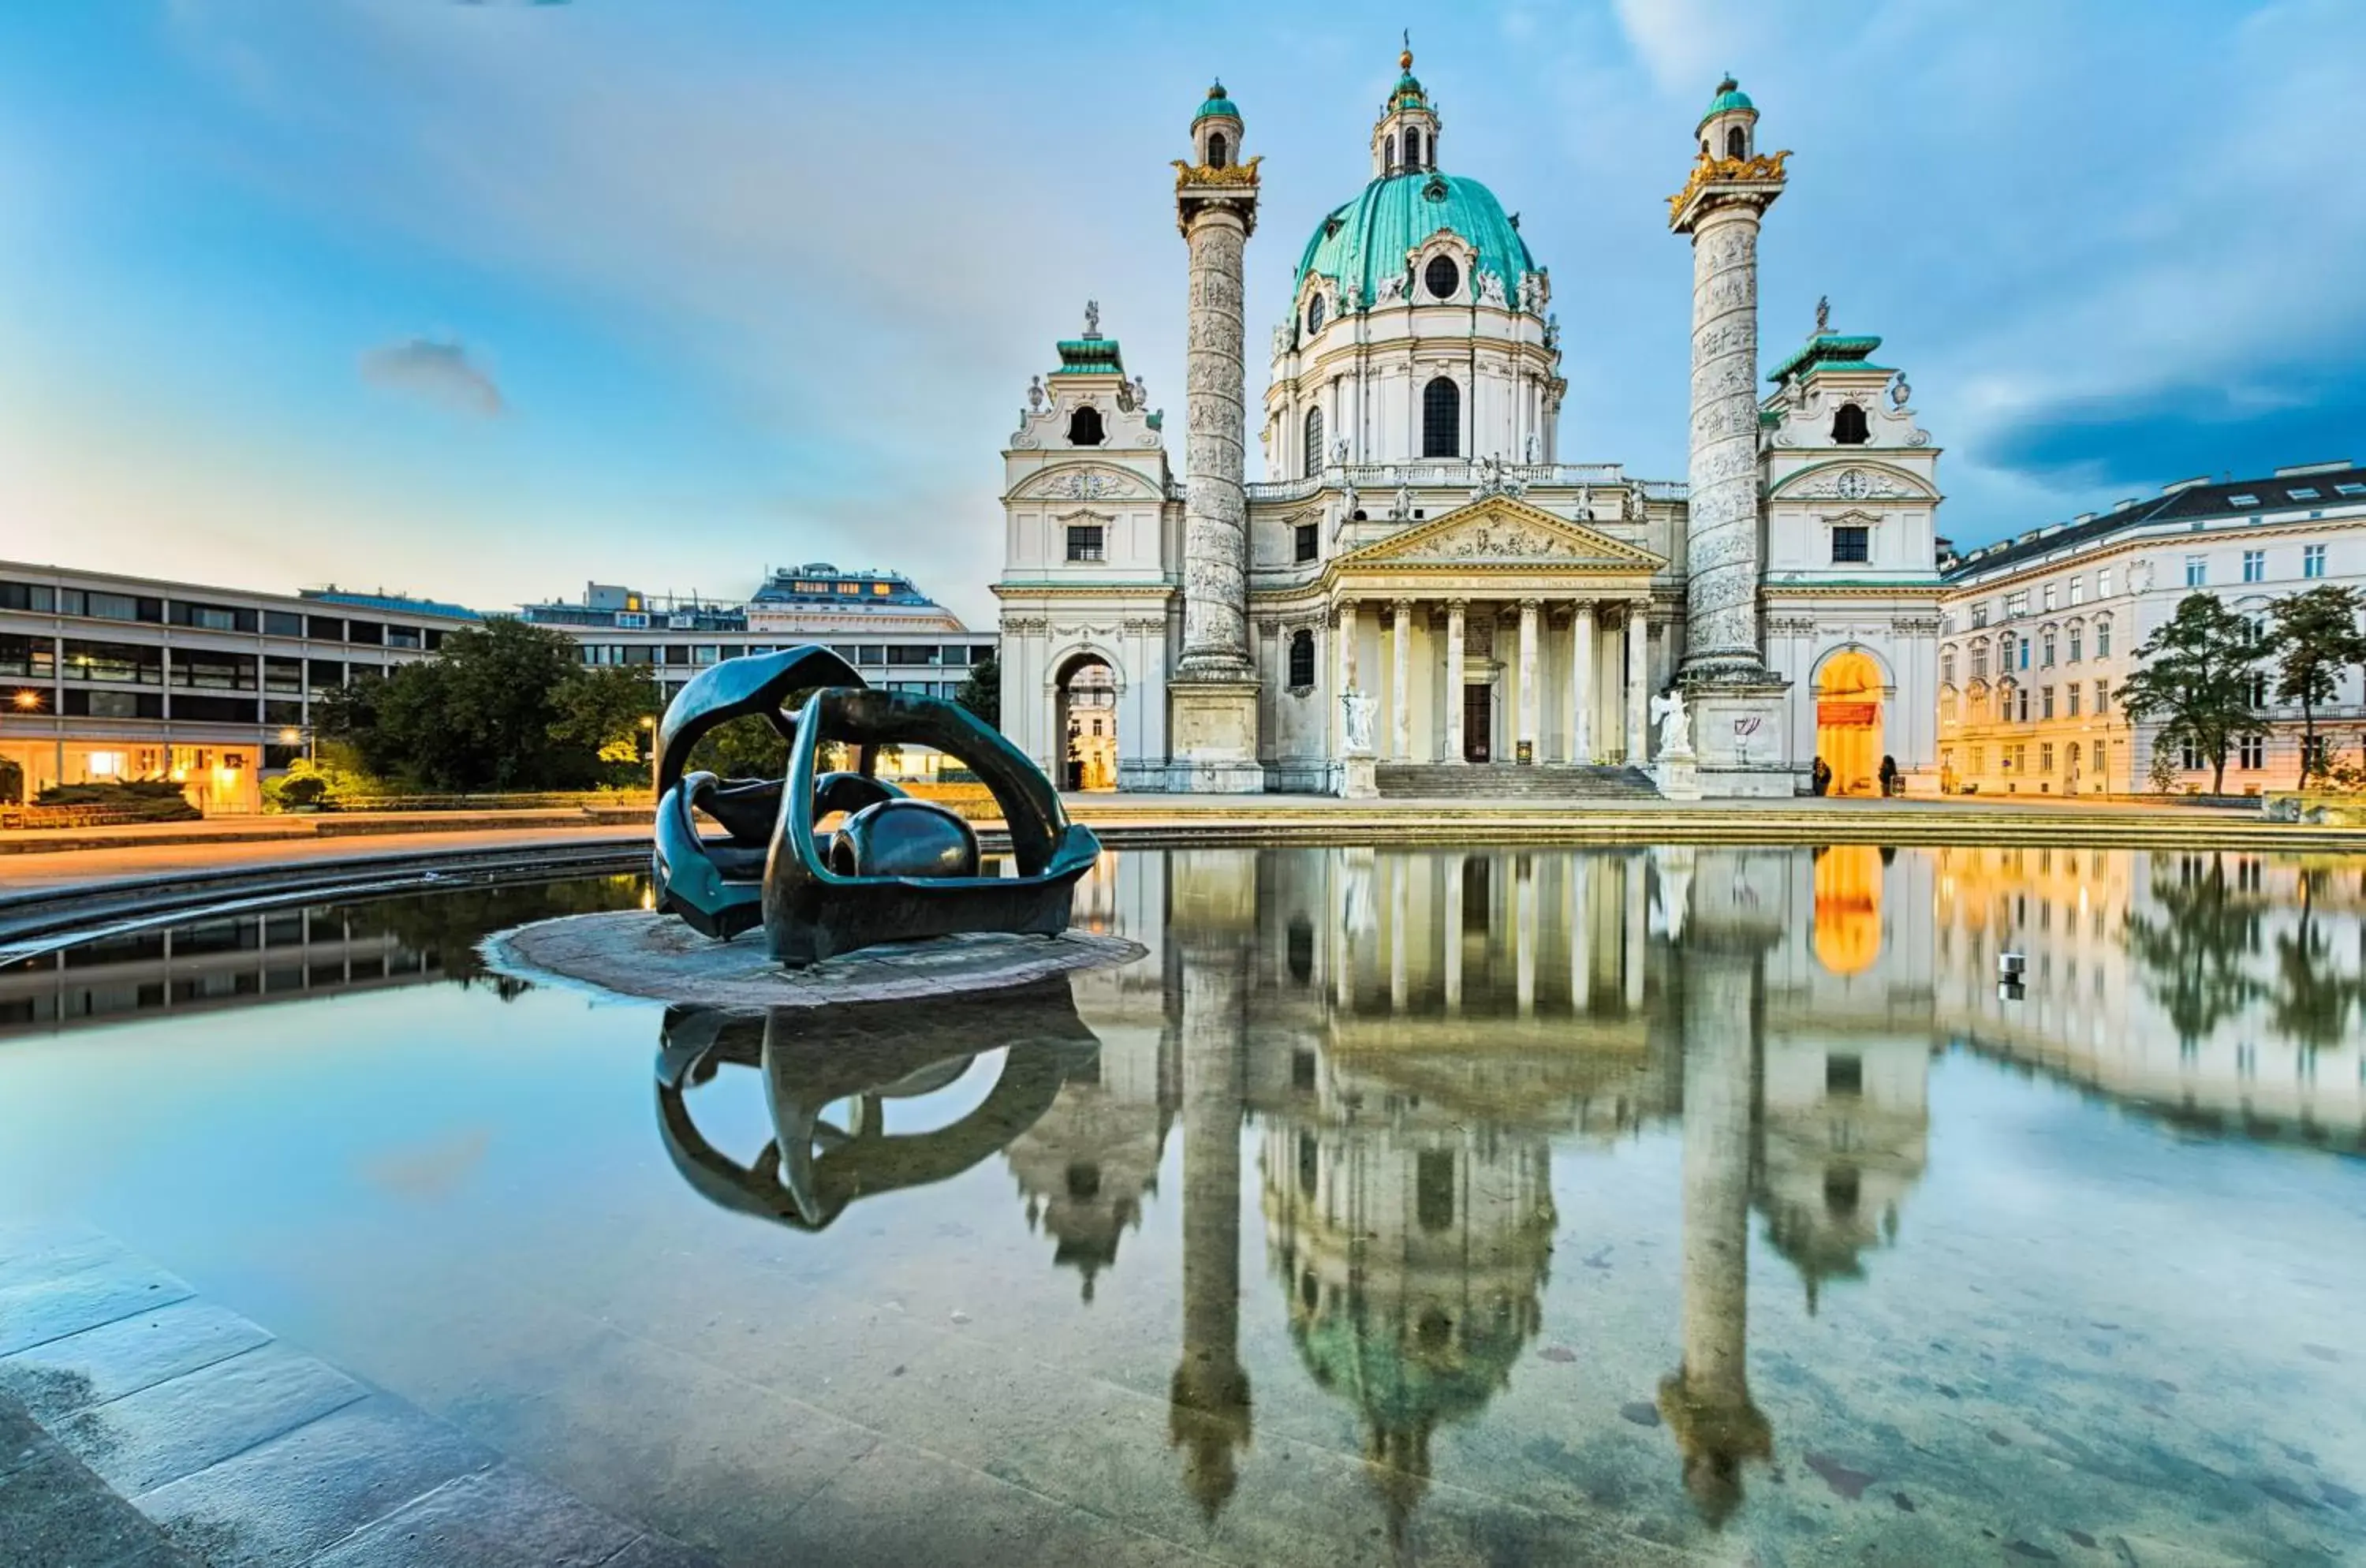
point(150, 800)
point(300, 793)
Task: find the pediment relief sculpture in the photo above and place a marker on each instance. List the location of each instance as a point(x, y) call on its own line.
point(1086, 483)
point(1501, 531)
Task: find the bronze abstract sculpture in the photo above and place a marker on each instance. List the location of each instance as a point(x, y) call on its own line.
point(897, 868)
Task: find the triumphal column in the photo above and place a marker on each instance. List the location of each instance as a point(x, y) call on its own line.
point(1213, 696)
point(1738, 703)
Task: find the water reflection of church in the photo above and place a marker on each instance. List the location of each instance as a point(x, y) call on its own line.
point(1407, 1038)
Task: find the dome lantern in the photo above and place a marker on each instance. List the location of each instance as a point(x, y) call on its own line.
point(1404, 139)
point(1216, 130)
point(1729, 127)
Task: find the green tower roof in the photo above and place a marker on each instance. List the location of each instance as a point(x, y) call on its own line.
point(1366, 239)
point(1217, 106)
point(1729, 95)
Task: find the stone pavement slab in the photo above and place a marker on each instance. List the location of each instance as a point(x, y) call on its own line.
point(65, 1375)
point(55, 1514)
point(500, 1517)
point(181, 1426)
point(37, 1311)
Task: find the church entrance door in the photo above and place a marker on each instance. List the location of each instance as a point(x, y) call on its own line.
point(1478, 722)
point(1848, 723)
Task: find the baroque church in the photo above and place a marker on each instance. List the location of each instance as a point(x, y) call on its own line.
point(1422, 596)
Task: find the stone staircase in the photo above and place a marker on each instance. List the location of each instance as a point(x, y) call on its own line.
point(1510, 781)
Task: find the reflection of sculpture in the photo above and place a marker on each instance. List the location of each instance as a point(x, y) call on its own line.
point(1358, 707)
point(1675, 722)
point(811, 1060)
point(899, 869)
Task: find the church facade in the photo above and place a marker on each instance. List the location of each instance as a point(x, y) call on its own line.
point(1421, 583)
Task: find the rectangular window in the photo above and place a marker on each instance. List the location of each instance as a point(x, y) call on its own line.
point(126, 663)
point(2242, 501)
point(213, 710)
point(102, 704)
point(2046, 757)
point(2045, 596)
point(2078, 639)
point(206, 670)
point(2077, 590)
point(28, 658)
point(1946, 670)
point(326, 628)
point(676, 653)
point(1853, 543)
point(2045, 702)
point(1306, 542)
point(2021, 705)
point(909, 657)
point(38, 597)
point(1087, 542)
point(206, 617)
point(284, 676)
point(2046, 653)
point(2102, 583)
point(705, 653)
point(2197, 572)
point(369, 632)
point(2188, 756)
point(2250, 752)
point(322, 674)
point(2016, 604)
point(2071, 699)
point(284, 711)
point(1980, 613)
point(2103, 698)
point(2102, 640)
point(402, 637)
point(2255, 565)
point(2302, 493)
point(2312, 561)
point(2024, 653)
point(1980, 662)
point(283, 623)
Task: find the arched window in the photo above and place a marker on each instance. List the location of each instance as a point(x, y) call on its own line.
point(1311, 464)
point(1413, 149)
point(1217, 150)
point(1084, 427)
point(1389, 154)
point(1734, 142)
point(1849, 428)
point(1301, 659)
point(1442, 277)
point(1441, 417)
point(1315, 315)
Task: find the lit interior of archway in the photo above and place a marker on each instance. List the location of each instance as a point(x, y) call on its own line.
point(1848, 723)
point(1847, 908)
point(1084, 725)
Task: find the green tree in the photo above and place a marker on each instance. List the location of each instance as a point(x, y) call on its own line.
point(610, 711)
point(2315, 639)
point(2191, 942)
point(2194, 675)
point(982, 693)
point(504, 705)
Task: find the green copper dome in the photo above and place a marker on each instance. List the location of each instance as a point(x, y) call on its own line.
point(1366, 240)
point(1729, 95)
point(1217, 106)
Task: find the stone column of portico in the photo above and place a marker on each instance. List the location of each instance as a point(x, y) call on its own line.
point(1452, 933)
point(1400, 699)
point(1638, 932)
point(1580, 933)
point(1580, 684)
point(1344, 620)
point(1529, 706)
point(1637, 676)
point(1455, 751)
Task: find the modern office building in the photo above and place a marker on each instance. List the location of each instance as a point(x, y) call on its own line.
point(108, 677)
point(2038, 632)
point(878, 621)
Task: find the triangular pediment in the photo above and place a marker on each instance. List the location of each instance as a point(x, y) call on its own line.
point(1502, 531)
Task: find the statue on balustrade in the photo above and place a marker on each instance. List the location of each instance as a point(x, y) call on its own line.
point(896, 868)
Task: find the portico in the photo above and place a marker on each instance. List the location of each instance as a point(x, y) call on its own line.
point(1499, 633)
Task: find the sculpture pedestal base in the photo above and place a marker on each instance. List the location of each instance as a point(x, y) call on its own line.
point(1741, 740)
point(641, 952)
point(1677, 776)
point(1358, 779)
point(1213, 730)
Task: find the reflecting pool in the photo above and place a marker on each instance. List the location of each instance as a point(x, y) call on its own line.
point(1667, 1206)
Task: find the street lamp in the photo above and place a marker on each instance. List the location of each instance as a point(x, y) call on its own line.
point(649, 723)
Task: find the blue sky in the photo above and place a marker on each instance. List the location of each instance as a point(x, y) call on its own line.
point(483, 301)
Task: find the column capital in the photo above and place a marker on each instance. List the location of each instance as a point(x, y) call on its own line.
point(1531, 603)
point(1458, 606)
point(1401, 607)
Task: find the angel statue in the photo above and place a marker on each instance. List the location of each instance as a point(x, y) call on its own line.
point(1675, 722)
point(1035, 395)
point(1401, 510)
point(1357, 708)
point(1092, 318)
point(1141, 393)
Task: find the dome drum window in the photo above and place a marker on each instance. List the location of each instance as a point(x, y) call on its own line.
point(1315, 315)
point(1442, 279)
point(1311, 461)
point(1441, 418)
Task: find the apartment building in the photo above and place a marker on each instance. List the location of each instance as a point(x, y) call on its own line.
point(2038, 633)
point(107, 677)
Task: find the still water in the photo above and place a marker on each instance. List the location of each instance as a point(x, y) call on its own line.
point(1633, 1207)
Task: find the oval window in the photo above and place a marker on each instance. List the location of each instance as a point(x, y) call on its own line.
point(1442, 277)
point(1315, 315)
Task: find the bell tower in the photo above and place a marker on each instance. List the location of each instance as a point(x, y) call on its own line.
point(1404, 140)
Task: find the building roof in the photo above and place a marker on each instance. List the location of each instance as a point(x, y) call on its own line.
point(1729, 95)
point(397, 603)
point(2188, 501)
point(1091, 355)
point(1831, 351)
point(1366, 239)
point(1217, 106)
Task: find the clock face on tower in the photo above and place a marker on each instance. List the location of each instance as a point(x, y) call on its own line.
point(1854, 484)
